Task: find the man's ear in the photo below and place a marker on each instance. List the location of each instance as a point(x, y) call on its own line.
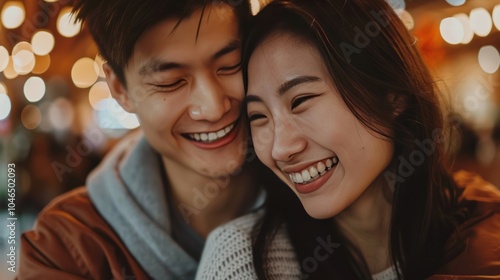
point(118, 90)
point(399, 103)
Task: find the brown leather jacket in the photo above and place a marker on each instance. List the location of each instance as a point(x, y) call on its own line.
point(481, 257)
point(70, 240)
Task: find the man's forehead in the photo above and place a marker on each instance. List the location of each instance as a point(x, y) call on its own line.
point(203, 34)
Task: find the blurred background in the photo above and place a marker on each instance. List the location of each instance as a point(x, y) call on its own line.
point(57, 119)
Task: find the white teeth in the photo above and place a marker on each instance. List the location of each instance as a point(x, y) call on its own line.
point(306, 176)
point(298, 178)
point(321, 167)
point(313, 172)
point(211, 136)
point(335, 160)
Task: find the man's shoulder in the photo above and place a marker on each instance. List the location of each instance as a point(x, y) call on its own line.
point(75, 203)
point(70, 238)
point(71, 214)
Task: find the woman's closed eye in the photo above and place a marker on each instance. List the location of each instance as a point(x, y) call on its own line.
point(301, 99)
point(255, 116)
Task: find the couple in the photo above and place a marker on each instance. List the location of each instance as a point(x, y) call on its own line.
point(353, 131)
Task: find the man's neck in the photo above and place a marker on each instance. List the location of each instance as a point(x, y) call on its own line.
point(204, 202)
point(366, 224)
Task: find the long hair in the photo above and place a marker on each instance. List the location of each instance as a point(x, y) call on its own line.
point(371, 58)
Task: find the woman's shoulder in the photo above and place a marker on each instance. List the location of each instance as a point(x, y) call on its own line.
point(228, 252)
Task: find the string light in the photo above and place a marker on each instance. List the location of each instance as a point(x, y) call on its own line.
point(4, 58)
point(480, 21)
point(34, 89)
point(43, 42)
point(451, 30)
point(13, 14)
point(489, 59)
point(83, 72)
point(66, 25)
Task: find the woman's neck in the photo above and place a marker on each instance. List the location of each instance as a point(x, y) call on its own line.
point(366, 222)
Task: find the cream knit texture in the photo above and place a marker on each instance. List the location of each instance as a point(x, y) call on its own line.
point(228, 253)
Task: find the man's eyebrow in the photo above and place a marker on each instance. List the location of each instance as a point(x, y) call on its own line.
point(230, 47)
point(286, 86)
point(156, 65)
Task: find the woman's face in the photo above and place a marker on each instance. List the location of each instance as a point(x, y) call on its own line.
point(303, 130)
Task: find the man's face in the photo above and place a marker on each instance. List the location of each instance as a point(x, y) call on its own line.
point(184, 83)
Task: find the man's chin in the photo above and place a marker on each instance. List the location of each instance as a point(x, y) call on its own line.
point(226, 168)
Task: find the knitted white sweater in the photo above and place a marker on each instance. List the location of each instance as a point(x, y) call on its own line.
point(228, 253)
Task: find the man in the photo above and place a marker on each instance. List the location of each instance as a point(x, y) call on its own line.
point(149, 206)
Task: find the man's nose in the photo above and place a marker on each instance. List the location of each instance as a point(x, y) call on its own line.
point(210, 100)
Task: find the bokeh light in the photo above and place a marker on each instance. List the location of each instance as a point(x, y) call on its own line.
point(480, 21)
point(34, 89)
point(113, 116)
point(5, 106)
point(61, 114)
point(4, 58)
point(407, 19)
point(3, 89)
point(13, 14)
point(397, 4)
point(22, 46)
point(255, 4)
point(100, 61)
point(130, 121)
point(66, 24)
point(468, 33)
point(451, 30)
point(24, 62)
point(495, 15)
point(9, 71)
point(23, 58)
point(98, 92)
point(455, 3)
point(43, 42)
point(489, 59)
point(31, 117)
point(84, 72)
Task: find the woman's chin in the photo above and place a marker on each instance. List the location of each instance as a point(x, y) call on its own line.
point(319, 211)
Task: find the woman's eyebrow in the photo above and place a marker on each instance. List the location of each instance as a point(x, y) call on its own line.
point(252, 98)
point(286, 86)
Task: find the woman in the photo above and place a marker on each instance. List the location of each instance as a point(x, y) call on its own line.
point(343, 110)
